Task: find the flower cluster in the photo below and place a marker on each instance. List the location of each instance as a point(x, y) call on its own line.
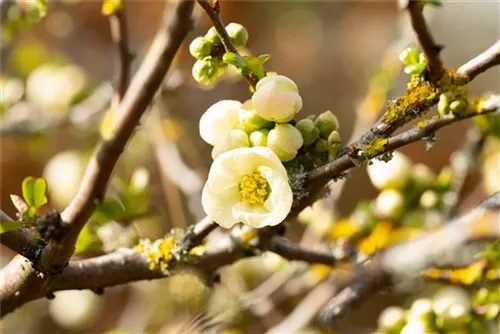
point(208, 51)
point(449, 311)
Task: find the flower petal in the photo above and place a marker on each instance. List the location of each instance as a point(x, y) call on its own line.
point(219, 120)
point(218, 206)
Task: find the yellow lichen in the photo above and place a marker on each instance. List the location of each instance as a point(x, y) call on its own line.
point(158, 253)
point(197, 251)
point(467, 275)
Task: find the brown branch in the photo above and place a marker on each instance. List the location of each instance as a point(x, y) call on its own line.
point(426, 40)
point(344, 163)
point(100, 168)
point(22, 240)
point(479, 64)
point(119, 34)
point(295, 252)
point(400, 263)
point(213, 13)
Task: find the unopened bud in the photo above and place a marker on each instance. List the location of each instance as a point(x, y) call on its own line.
point(392, 320)
point(200, 47)
point(308, 130)
point(285, 140)
point(238, 34)
point(321, 145)
point(326, 123)
point(251, 121)
point(259, 137)
point(212, 36)
point(389, 204)
point(207, 70)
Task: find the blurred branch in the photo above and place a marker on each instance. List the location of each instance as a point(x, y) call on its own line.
point(119, 34)
point(426, 40)
point(292, 252)
point(481, 63)
point(400, 263)
point(463, 163)
point(213, 10)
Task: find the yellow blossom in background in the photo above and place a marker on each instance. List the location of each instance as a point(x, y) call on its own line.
point(248, 185)
point(345, 228)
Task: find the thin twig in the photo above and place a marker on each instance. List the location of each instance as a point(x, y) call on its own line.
point(291, 251)
point(213, 13)
point(426, 40)
point(481, 63)
point(119, 34)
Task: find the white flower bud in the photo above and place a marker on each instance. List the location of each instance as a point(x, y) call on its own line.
point(308, 130)
point(277, 99)
point(326, 123)
point(259, 137)
point(200, 47)
point(429, 199)
point(421, 310)
point(218, 121)
point(285, 140)
point(238, 138)
point(389, 204)
point(394, 174)
point(238, 34)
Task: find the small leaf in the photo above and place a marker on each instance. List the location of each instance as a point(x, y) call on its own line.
point(234, 59)
point(111, 7)
point(7, 226)
point(34, 192)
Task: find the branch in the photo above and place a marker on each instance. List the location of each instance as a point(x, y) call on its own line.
point(400, 262)
point(344, 163)
point(481, 63)
point(426, 41)
point(137, 99)
point(119, 34)
point(292, 251)
point(22, 240)
point(213, 13)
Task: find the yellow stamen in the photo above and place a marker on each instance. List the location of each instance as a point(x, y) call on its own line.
point(254, 188)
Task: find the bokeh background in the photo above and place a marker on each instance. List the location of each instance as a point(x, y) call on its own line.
point(50, 126)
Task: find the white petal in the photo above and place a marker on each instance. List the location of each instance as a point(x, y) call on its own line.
point(218, 206)
point(219, 120)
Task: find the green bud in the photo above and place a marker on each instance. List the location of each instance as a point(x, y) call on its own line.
point(421, 310)
point(458, 107)
point(454, 317)
point(212, 36)
point(326, 123)
point(259, 137)
point(409, 55)
point(334, 138)
point(238, 138)
point(200, 48)
point(238, 34)
point(321, 145)
point(285, 140)
point(207, 70)
point(333, 150)
point(308, 130)
point(251, 121)
point(444, 103)
point(392, 320)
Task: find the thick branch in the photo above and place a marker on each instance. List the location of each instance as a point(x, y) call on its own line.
point(138, 97)
point(426, 41)
point(400, 262)
point(22, 240)
point(481, 63)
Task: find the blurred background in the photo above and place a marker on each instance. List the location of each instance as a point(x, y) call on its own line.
point(57, 80)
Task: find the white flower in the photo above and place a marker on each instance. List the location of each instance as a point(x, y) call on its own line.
point(218, 121)
point(277, 99)
point(394, 174)
point(248, 185)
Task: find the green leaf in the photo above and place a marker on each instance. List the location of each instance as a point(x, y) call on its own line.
point(234, 59)
point(111, 7)
point(108, 210)
point(10, 226)
point(34, 192)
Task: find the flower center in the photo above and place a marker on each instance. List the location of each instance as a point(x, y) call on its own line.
point(254, 188)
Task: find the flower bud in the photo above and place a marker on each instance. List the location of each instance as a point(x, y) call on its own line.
point(454, 317)
point(321, 145)
point(285, 140)
point(392, 320)
point(389, 204)
point(308, 130)
point(218, 121)
point(249, 120)
point(421, 310)
point(200, 47)
point(212, 36)
point(417, 327)
point(423, 177)
point(277, 99)
point(208, 69)
point(326, 123)
point(259, 137)
point(458, 107)
point(238, 34)
point(238, 138)
point(334, 138)
point(394, 174)
point(444, 103)
point(409, 55)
